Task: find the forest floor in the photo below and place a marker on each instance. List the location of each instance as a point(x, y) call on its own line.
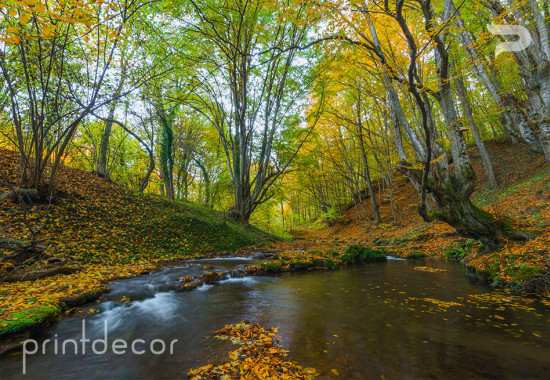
point(523, 195)
point(115, 233)
point(112, 232)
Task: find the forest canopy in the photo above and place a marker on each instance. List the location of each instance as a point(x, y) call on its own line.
point(282, 111)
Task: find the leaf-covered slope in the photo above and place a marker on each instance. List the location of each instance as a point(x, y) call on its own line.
point(112, 231)
point(96, 221)
point(523, 194)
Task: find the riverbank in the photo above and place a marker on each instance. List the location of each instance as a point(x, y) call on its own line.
point(28, 306)
point(523, 195)
point(106, 232)
point(358, 321)
point(113, 233)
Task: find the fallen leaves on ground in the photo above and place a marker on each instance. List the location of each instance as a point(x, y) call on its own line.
point(110, 230)
point(523, 195)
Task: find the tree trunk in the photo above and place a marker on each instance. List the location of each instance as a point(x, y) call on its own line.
point(515, 121)
point(166, 150)
point(451, 189)
point(534, 68)
point(102, 167)
point(486, 159)
point(206, 181)
point(145, 180)
point(398, 139)
point(25, 194)
point(355, 205)
point(34, 273)
point(372, 195)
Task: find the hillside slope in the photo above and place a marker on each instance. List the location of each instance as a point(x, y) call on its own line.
point(97, 221)
point(111, 231)
point(523, 195)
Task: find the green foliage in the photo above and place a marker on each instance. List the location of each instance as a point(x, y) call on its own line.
point(415, 256)
point(330, 217)
point(460, 249)
point(522, 271)
point(167, 145)
point(357, 253)
point(273, 266)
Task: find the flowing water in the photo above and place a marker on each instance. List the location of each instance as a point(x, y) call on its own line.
point(380, 320)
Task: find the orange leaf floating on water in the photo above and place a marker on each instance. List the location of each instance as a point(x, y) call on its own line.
point(428, 269)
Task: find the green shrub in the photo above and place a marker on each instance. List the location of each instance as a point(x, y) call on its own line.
point(273, 266)
point(298, 264)
point(331, 264)
point(333, 252)
point(357, 253)
point(459, 250)
point(415, 256)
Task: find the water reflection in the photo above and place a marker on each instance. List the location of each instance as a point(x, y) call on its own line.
point(379, 320)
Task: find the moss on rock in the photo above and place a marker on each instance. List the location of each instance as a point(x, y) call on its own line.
point(29, 320)
point(356, 253)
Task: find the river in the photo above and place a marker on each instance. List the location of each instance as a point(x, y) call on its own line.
point(379, 320)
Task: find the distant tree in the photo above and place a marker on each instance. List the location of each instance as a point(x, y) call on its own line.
point(251, 84)
point(55, 62)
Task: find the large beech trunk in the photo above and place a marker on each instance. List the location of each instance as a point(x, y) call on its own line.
point(454, 206)
point(450, 183)
point(243, 206)
point(534, 68)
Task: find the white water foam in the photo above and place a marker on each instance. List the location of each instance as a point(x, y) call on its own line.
point(244, 280)
point(114, 317)
point(204, 287)
point(162, 305)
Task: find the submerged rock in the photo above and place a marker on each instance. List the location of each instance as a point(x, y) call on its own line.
point(209, 278)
